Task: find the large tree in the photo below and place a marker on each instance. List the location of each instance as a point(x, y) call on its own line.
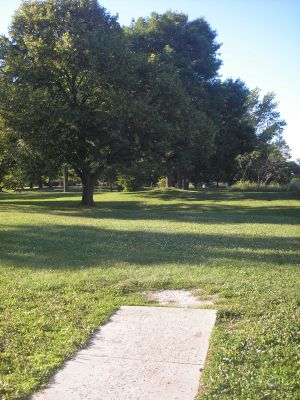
point(67, 85)
point(187, 54)
point(189, 45)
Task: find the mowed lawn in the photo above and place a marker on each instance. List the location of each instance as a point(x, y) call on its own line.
point(66, 269)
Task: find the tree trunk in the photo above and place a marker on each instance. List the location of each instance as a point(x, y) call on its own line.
point(179, 178)
point(88, 183)
point(40, 184)
point(186, 183)
point(246, 170)
point(30, 185)
point(169, 181)
point(195, 182)
point(66, 179)
point(169, 178)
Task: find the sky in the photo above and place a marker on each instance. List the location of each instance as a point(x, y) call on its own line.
point(260, 43)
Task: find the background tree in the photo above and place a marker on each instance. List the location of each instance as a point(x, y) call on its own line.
point(265, 117)
point(263, 167)
point(7, 160)
point(268, 161)
point(187, 54)
point(236, 134)
point(189, 45)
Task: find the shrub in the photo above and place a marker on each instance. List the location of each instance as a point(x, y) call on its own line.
point(295, 180)
point(161, 182)
point(130, 179)
point(14, 180)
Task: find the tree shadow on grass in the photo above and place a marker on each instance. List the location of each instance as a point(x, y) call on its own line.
point(178, 212)
point(40, 198)
point(216, 195)
point(73, 246)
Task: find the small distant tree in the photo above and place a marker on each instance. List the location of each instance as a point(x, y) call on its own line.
point(290, 173)
point(245, 162)
point(269, 159)
point(265, 118)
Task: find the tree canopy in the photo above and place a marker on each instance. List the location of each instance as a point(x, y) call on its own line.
point(77, 89)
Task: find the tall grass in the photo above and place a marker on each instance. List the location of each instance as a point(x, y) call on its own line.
point(247, 186)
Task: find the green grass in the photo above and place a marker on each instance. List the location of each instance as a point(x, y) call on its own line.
point(66, 269)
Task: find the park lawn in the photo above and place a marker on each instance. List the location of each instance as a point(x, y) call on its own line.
point(66, 269)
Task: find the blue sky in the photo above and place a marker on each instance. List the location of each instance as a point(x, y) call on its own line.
point(261, 43)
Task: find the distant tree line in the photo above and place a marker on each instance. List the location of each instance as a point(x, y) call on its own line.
point(128, 105)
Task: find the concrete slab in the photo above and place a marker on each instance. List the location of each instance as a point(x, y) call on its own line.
point(178, 298)
point(142, 353)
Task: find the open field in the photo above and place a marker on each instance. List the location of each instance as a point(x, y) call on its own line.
point(65, 269)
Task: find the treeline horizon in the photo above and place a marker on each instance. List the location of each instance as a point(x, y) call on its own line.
point(134, 105)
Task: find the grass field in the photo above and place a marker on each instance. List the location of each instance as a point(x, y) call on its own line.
point(65, 270)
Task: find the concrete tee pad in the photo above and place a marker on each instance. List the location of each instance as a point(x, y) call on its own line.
point(142, 353)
